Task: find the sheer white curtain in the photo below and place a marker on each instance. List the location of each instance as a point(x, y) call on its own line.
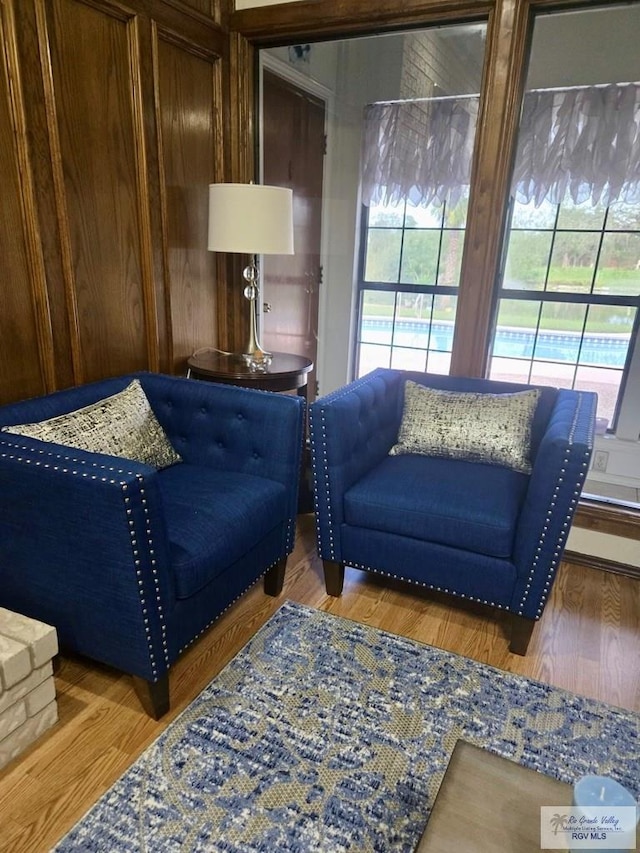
point(418, 150)
point(584, 140)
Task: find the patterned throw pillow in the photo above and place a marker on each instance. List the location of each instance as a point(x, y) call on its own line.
point(121, 425)
point(491, 428)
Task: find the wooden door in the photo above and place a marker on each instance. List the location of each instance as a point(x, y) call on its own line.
point(293, 155)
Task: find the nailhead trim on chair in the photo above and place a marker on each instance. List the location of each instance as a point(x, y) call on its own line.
point(323, 449)
point(231, 603)
point(564, 531)
point(124, 489)
point(62, 457)
point(427, 585)
point(289, 534)
point(541, 540)
point(154, 571)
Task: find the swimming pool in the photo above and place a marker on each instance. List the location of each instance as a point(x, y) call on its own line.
point(597, 350)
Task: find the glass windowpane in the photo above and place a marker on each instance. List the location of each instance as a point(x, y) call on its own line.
point(557, 374)
point(573, 261)
point(612, 319)
point(515, 330)
point(531, 217)
point(451, 258)
point(411, 333)
point(604, 345)
point(375, 330)
point(619, 267)
point(439, 362)
point(554, 346)
point(509, 369)
point(456, 215)
point(563, 316)
point(606, 383)
point(376, 316)
point(581, 216)
point(383, 255)
point(422, 304)
point(444, 316)
point(424, 217)
point(386, 215)
point(371, 356)
point(408, 359)
point(527, 259)
point(420, 257)
point(510, 342)
point(623, 216)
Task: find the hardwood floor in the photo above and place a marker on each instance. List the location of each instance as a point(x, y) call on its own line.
point(587, 642)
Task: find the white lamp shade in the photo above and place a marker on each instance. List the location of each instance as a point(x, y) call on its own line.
point(250, 218)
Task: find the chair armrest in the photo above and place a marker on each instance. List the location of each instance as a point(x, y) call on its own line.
point(351, 431)
point(559, 471)
point(83, 547)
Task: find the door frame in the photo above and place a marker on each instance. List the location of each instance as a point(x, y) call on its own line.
point(305, 84)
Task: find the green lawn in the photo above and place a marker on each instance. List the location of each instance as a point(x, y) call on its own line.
point(563, 317)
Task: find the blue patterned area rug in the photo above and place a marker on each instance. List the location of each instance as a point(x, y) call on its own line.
point(326, 735)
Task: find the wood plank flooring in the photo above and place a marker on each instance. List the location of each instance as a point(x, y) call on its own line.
point(588, 641)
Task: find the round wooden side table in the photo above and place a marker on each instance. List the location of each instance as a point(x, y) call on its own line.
point(287, 372)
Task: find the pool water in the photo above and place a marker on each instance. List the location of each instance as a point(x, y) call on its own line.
point(598, 350)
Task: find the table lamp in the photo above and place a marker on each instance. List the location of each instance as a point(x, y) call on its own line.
point(251, 219)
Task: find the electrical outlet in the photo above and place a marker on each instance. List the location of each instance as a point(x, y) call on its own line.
point(600, 459)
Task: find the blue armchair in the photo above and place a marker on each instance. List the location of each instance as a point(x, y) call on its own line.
point(481, 531)
point(131, 563)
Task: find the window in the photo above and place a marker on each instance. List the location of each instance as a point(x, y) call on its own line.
point(416, 171)
point(569, 298)
point(407, 287)
point(569, 291)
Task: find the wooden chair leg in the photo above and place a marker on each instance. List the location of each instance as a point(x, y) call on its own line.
point(153, 695)
point(274, 578)
point(521, 630)
point(333, 577)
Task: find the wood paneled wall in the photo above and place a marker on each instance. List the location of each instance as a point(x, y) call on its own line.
point(111, 129)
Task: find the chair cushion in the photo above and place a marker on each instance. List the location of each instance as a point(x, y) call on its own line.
point(122, 424)
point(462, 504)
point(213, 518)
point(477, 426)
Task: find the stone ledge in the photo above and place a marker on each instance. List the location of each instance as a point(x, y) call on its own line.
point(15, 662)
point(40, 639)
point(29, 731)
point(27, 687)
